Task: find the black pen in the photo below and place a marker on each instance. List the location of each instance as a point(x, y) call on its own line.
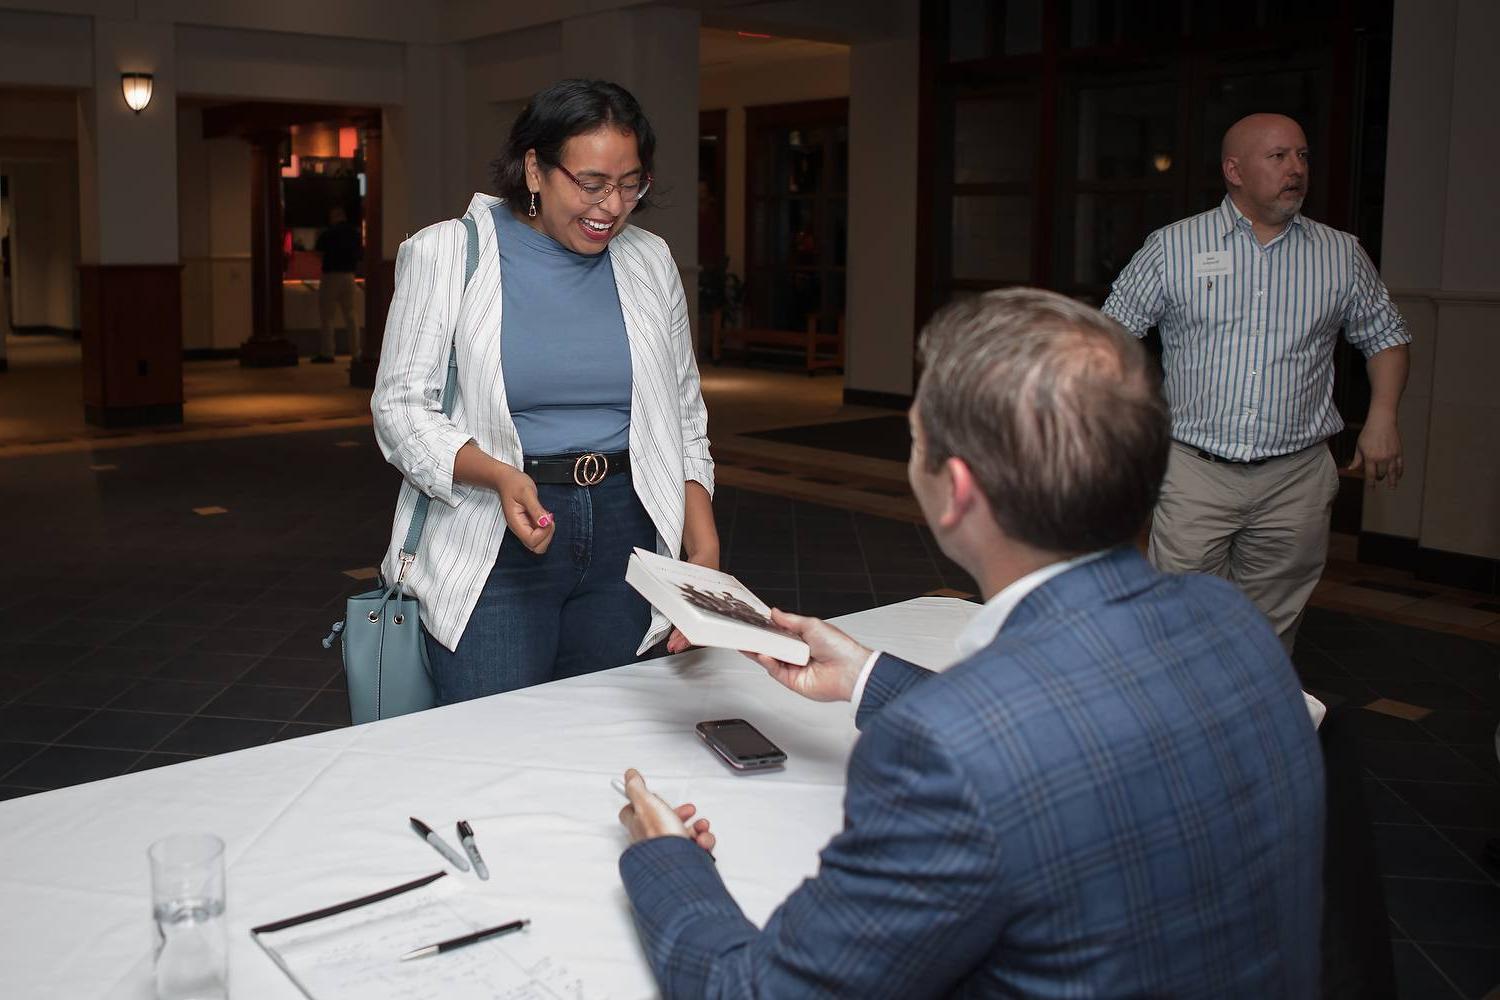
point(467, 939)
point(438, 844)
point(466, 838)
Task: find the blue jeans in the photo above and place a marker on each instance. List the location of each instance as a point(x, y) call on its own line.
point(563, 613)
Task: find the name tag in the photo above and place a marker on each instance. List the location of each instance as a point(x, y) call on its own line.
point(1212, 264)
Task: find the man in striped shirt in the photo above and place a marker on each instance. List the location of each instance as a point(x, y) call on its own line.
point(1249, 299)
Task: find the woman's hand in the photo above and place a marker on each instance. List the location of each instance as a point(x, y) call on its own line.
point(700, 543)
point(677, 642)
point(524, 514)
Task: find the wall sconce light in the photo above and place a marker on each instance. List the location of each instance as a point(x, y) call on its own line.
point(1162, 162)
point(137, 90)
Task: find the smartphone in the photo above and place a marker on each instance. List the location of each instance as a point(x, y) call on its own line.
point(740, 744)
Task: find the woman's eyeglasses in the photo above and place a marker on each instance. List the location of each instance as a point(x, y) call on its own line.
point(595, 192)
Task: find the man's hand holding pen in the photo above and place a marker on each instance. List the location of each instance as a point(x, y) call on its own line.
point(648, 816)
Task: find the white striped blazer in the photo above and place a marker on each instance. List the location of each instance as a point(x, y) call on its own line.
point(668, 421)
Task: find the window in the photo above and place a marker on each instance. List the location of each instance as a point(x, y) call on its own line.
point(980, 29)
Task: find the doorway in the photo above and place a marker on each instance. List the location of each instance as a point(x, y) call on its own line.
point(797, 214)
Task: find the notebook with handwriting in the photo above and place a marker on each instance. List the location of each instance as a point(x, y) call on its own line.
point(352, 950)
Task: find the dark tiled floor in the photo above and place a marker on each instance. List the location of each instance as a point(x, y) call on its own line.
point(873, 437)
point(146, 635)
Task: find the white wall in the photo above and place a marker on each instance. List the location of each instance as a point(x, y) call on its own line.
point(429, 22)
point(733, 89)
point(500, 75)
point(45, 50)
point(362, 19)
point(214, 209)
point(1442, 262)
point(271, 66)
point(43, 242)
point(193, 179)
point(488, 125)
point(38, 153)
point(424, 144)
point(653, 52)
point(128, 161)
point(229, 240)
point(37, 115)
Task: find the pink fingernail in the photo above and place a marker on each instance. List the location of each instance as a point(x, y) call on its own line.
point(544, 520)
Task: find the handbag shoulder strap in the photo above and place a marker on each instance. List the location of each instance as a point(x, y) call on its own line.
point(450, 390)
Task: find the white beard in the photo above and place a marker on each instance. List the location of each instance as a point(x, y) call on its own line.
point(1283, 213)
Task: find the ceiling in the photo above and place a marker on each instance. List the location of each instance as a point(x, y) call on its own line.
point(720, 49)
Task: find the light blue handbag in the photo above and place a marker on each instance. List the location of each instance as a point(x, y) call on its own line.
point(385, 657)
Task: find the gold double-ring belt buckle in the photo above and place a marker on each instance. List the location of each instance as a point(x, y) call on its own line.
point(590, 468)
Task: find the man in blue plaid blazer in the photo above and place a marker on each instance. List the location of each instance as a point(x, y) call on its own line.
point(1116, 792)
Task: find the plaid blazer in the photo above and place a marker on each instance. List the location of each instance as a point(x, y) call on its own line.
point(1121, 796)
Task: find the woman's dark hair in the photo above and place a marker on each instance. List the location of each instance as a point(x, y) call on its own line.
point(557, 114)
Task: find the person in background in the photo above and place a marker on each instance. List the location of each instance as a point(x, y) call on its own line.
point(1116, 790)
point(1250, 298)
point(339, 246)
point(579, 431)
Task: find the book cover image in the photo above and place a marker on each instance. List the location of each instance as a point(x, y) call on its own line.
point(725, 604)
point(711, 608)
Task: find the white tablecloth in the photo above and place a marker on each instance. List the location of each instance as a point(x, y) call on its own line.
point(318, 820)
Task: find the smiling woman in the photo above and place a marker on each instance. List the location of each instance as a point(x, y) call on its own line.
point(580, 431)
point(578, 161)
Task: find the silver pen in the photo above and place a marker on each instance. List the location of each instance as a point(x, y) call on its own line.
point(439, 844)
point(466, 837)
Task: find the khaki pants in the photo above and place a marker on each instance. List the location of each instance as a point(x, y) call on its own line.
point(336, 295)
point(1263, 527)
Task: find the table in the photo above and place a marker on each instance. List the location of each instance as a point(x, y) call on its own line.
point(317, 820)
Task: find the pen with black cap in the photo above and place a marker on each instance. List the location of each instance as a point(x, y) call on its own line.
point(440, 845)
point(466, 837)
point(467, 939)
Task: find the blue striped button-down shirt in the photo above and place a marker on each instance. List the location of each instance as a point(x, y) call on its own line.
point(1248, 330)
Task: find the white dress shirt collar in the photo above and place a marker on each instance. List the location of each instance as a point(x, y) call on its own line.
point(985, 625)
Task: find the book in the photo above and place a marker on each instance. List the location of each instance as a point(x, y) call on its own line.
point(711, 608)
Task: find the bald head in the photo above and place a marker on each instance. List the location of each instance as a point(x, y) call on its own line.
point(1265, 163)
point(1252, 131)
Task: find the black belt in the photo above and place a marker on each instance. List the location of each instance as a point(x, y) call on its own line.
point(584, 468)
point(1209, 456)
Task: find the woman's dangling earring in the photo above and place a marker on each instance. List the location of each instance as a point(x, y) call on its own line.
point(532, 211)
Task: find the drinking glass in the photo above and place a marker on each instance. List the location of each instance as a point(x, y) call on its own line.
point(187, 900)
